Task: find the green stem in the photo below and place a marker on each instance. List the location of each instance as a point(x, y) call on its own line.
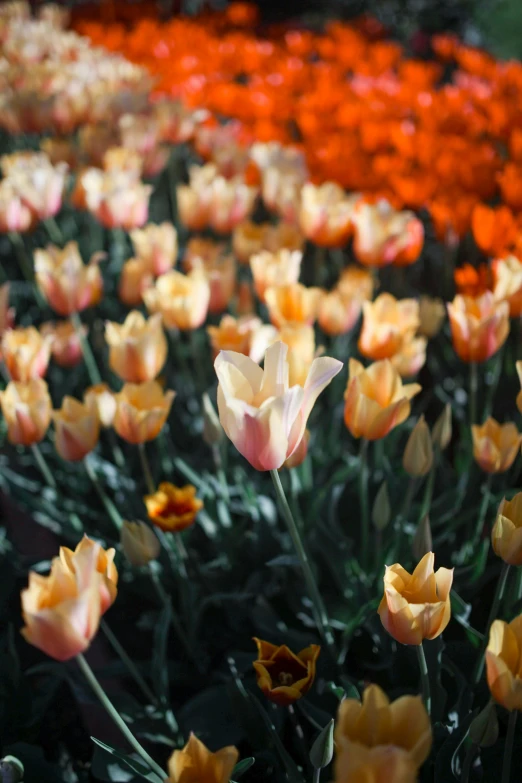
point(149, 481)
point(218, 462)
point(425, 679)
point(198, 364)
point(44, 468)
point(508, 749)
point(408, 498)
point(483, 511)
point(110, 508)
point(316, 776)
point(473, 388)
point(129, 663)
point(499, 594)
point(54, 231)
point(430, 484)
point(21, 256)
point(471, 754)
point(90, 361)
point(165, 599)
point(116, 717)
point(321, 616)
point(298, 732)
point(363, 501)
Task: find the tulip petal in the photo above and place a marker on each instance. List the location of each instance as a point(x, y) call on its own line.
point(275, 374)
point(251, 371)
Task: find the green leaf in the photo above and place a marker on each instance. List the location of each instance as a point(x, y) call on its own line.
point(321, 752)
point(291, 769)
point(160, 672)
point(243, 766)
point(136, 766)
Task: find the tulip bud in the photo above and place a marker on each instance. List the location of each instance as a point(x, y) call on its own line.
point(322, 750)
point(381, 511)
point(418, 454)
point(212, 429)
point(139, 543)
point(422, 540)
point(442, 429)
point(11, 770)
point(483, 730)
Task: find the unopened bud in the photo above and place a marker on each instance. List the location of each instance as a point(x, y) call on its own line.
point(441, 433)
point(422, 540)
point(483, 730)
point(322, 750)
point(212, 429)
point(381, 511)
point(139, 543)
point(11, 770)
point(418, 454)
point(431, 315)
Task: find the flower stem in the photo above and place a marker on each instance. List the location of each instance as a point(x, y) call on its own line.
point(116, 717)
point(425, 678)
point(508, 749)
point(321, 616)
point(363, 500)
point(298, 732)
point(473, 388)
point(151, 487)
point(199, 365)
point(483, 511)
point(25, 265)
point(54, 231)
point(499, 593)
point(218, 462)
point(317, 776)
point(110, 508)
point(129, 663)
point(90, 361)
point(44, 468)
point(165, 599)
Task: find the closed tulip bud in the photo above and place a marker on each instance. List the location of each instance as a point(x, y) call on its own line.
point(100, 399)
point(422, 540)
point(321, 752)
point(418, 454)
point(495, 445)
point(27, 410)
point(141, 411)
point(416, 606)
point(503, 656)
point(11, 770)
point(506, 535)
point(483, 730)
point(381, 741)
point(137, 348)
point(432, 313)
point(442, 429)
point(135, 278)
point(251, 403)
point(283, 676)
point(381, 512)
point(212, 429)
point(77, 429)
point(66, 346)
point(139, 543)
point(157, 246)
point(195, 762)
point(26, 353)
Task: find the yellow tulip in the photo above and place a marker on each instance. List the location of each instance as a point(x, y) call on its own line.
point(77, 429)
point(506, 535)
point(137, 348)
point(196, 764)
point(141, 411)
point(504, 663)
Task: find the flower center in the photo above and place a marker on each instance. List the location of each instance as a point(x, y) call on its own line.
point(285, 678)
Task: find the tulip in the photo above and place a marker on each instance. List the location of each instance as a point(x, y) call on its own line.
point(283, 676)
point(411, 357)
point(62, 611)
point(248, 240)
point(176, 123)
point(479, 326)
point(77, 429)
point(206, 249)
point(135, 278)
point(141, 411)
point(508, 283)
point(416, 606)
point(300, 339)
point(442, 429)
point(376, 400)
point(300, 454)
point(26, 353)
point(378, 739)
point(273, 269)
point(388, 324)
point(15, 216)
point(27, 410)
point(283, 236)
point(121, 160)
point(40, 186)
point(384, 236)
point(281, 190)
point(338, 312)
point(173, 508)
point(357, 282)
point(196, 764)
point(137, 348)
point(86, 554)
point(182, 300)
point(246, 335)
point(117, 199)
point(264, 417)
point(157, 245)
point(495, 445)
point(418, 454)
point(140, 133)
point(503, 663)
point(139, 543)
point(100, 399)
point(325, 215)
point(292, 303)
point(66, 346)
point(506, 535)
point(66, 283)
point(7, 314)
point(221, 275)
point(431, 316)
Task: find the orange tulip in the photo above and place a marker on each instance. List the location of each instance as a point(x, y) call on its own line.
point(381, 741)
point(77, 429)
point(283, 676)
point(135, 278)
point(494, 228)
point(479, 326)
point(384, 236)
point(173, 508)
point(273, 269)
point(388, 325)
point(504, 663)
point(473, 281)
point(246, 335)
point(495, 445)
point(196, 764)
point(506, 535)
point(416, 606)
point(27, 410)
point(357, 282)
point(66, 283)
point(326, 213)
point(137, 348)
point(211, 200)
point(293, 303)
point(141, 411)
point(26, 353)
point(376, 400)
point(66, 346)
point(300, 339)
point(182, 300)
point(121, 160)
point(157, 245)
point(100, 399)
point(86, 553)
point(507, 273)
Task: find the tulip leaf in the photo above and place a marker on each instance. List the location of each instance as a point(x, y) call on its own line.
point(290, 766)
point(243, 766)
point(136, 766)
